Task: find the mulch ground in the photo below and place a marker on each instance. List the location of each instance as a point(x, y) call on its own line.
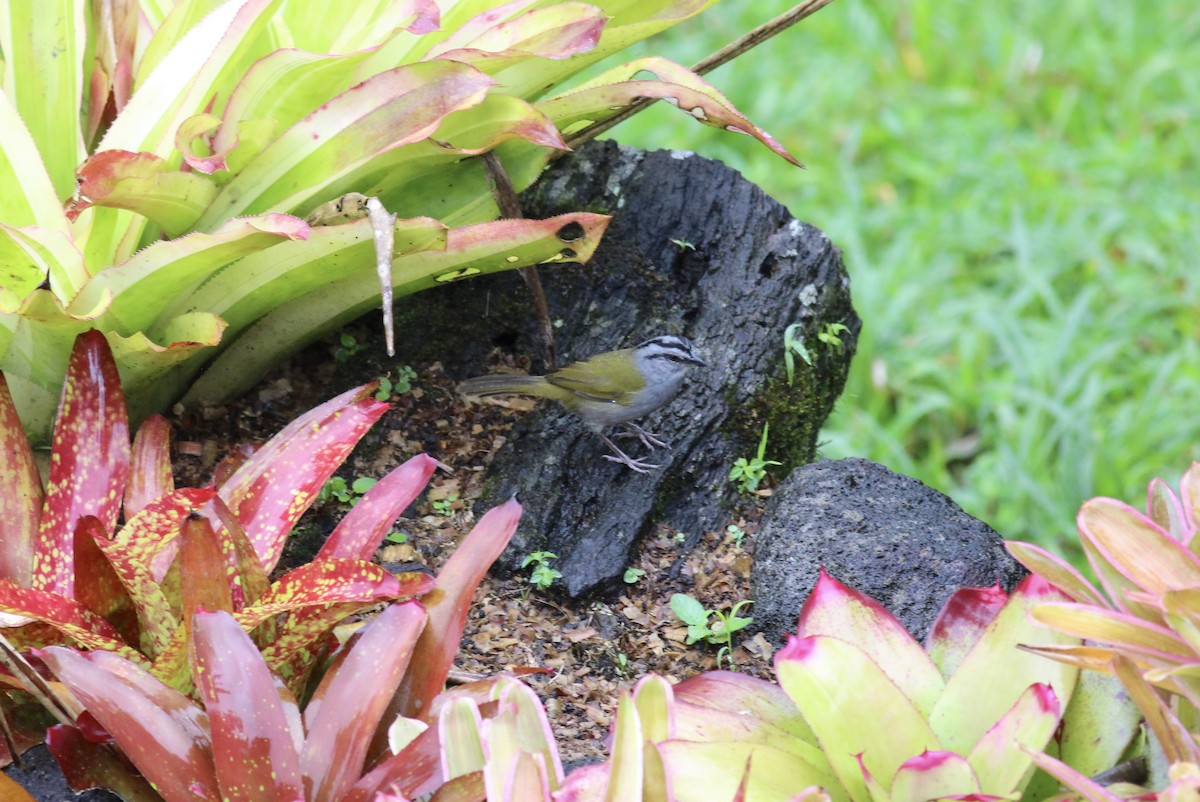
point(591, 649)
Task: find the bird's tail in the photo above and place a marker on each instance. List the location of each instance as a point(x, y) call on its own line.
point(505, 384)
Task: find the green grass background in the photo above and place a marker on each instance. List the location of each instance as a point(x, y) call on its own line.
point(1015, 189)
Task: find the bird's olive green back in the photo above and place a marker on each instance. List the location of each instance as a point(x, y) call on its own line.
point(605, 377)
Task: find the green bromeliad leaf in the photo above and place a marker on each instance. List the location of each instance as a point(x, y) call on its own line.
point(469, 251)
point(221, 122)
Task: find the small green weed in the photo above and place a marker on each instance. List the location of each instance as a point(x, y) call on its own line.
point(632, 575)
point(542, 576)
point(403, 383)
point(831, 335)
point(737, 533)
point(793, 346)
point(445, 506)
point(712, 626)
point(683, 245)
point(749, 473)
point(348, 346)
point(396, 537)
point(337, 489)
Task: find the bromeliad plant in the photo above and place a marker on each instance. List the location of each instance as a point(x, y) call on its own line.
point(72, 573)
point(249, 738)
point(194, 138)
point(863, 713)
point(1142, 625)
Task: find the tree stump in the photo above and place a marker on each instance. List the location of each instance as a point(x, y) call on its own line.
point(693, 249)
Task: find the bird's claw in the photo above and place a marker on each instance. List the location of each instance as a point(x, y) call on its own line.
point(635, 465)
point(649, 439)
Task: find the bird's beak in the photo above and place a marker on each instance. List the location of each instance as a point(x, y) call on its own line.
point(697, 361)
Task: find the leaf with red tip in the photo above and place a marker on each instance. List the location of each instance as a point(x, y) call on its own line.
point(86, 765)
point(844, 694)
point(253, 749)
point(203, 571)
point(1056, 571)
point(68, 616)
point(960, 623)
point(359, 534)
point(1030, 722)
point(962, 714)
point(97, 585)
point(279, 482)
point(21, 501)
point(146, 184)
point(89, 463)
point(448, 604)
point(149, 537)
point(934, 775)
point(150, 475)
point(347, 707)
point(1119, 540)
point(834, 609)
point(174, 758)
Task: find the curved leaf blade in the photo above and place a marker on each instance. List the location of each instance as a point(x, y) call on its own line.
point(89, 466)
point(254, 754)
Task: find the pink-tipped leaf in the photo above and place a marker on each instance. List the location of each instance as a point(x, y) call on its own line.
point(89, 464)
point(843, 694)
point(448, 604)
point(150, 475)
point(1030, 722)
point(934, 775)
point(961, 621)
point(834, 609)
point(254, 752)
point(359, 534)
point(347, 707)
point(271, 490)
point(21, 501)
point(172, 758)
point(962, 714)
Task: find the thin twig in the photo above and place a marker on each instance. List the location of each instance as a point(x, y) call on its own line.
point(731, 51)
point(510, 208)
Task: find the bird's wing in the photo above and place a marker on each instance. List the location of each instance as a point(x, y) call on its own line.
point(606, 377)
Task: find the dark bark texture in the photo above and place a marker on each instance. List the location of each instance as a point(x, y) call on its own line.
point(693, 249)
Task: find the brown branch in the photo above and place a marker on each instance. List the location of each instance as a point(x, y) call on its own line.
point(726, 54)
point(510, 208)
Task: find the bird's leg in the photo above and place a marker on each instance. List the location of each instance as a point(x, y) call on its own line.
point(636, 465)
point(649, 439)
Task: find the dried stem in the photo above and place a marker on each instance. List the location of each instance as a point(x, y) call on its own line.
point(731, 51)
point(510, 208)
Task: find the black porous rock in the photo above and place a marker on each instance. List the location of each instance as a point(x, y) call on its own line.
point(40, 775)
point(693, 249)
point(891, 537)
